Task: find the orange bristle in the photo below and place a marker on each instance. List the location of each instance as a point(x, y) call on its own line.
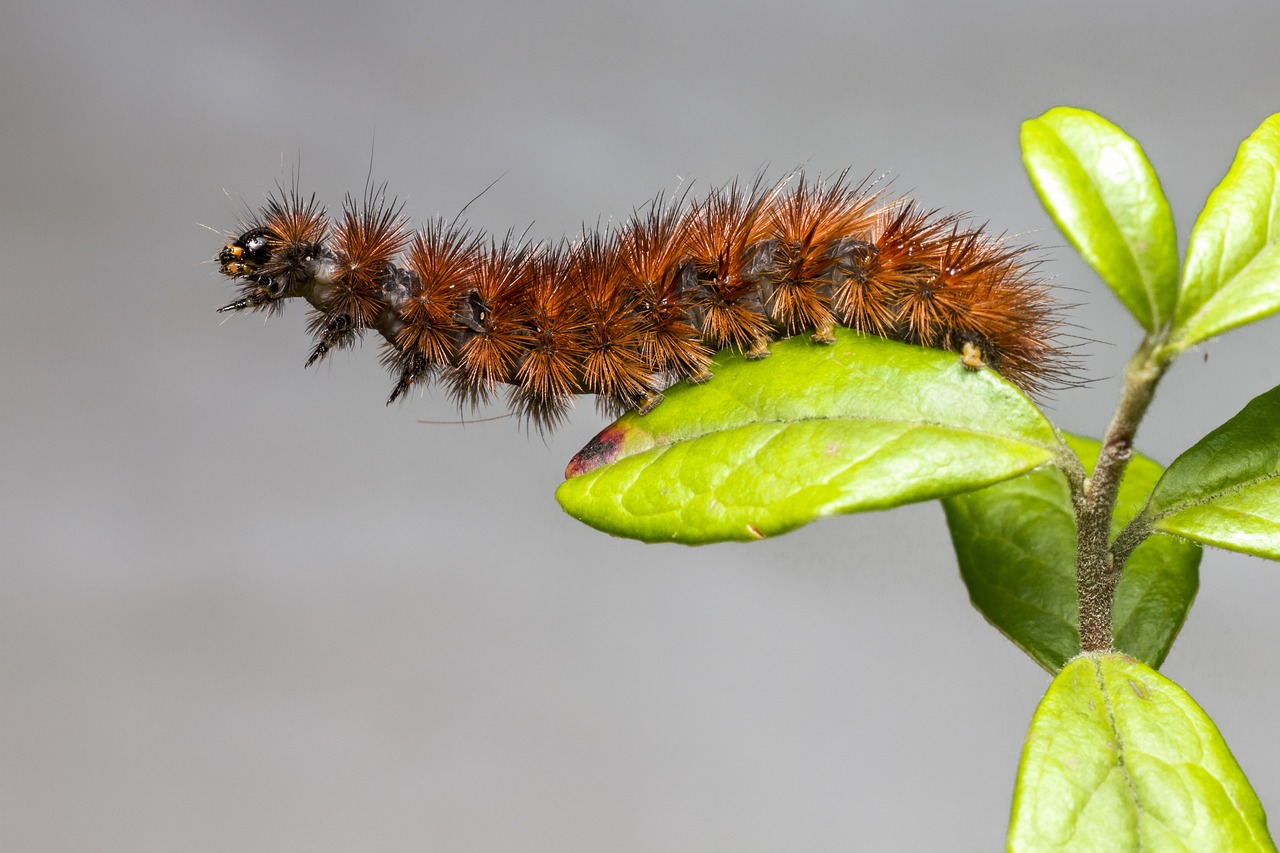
point(365, 241)
point(612, 367)
point(552, 369)
point(441, 258)
point(654, 258)
point(725, 230)
point(293, 220)
point(810, 225)
point(495, 320)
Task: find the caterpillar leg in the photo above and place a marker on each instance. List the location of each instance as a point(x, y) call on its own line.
point(411, 371)
point(759, 349)
point(824, 334)
point(338, 332)
point(971, 356)
point(648, 403)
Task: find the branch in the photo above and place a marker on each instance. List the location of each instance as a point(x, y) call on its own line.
point(1133, 535)
point(1097, 566)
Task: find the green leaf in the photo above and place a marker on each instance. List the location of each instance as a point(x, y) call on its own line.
point(1120, 758)
point(1016, 545)
point(1225, 491)
point(1232, 274)
point(1098, 186)
point(767, 446)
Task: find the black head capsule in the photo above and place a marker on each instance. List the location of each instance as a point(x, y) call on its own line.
point(246, 253)
point(245, 259)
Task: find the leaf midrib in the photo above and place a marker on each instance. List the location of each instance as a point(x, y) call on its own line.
point(910, 424)
point(1145, 283)
point(1156, 518)
point(1224, 287)
point(1120, 749)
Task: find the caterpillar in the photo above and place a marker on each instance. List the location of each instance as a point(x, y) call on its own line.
point(625, 312)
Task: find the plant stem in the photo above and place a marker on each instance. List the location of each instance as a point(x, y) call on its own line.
point(1097, 570)
point(1133, 535)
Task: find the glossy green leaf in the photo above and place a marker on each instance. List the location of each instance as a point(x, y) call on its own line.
point(1232, 274)
point(1225, 491)
point(1120, 758)
point(1016, 545)
point(1098, 186)
point(767, 446)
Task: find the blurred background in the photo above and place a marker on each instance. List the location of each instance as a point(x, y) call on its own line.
point(245, 606)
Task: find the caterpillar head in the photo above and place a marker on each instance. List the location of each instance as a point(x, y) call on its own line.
point(246, 253)
point(269, 268)
point(246, 258)
point(276, 256)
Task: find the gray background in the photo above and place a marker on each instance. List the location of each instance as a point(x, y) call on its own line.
point(246, 607)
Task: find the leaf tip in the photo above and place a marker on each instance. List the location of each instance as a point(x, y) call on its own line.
point(605, 448)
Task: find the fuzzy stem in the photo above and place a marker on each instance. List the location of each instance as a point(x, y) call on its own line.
point(1071, 467)
point(1097, 568)
point(1133, 535)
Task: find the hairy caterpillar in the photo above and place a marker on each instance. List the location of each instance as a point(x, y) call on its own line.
point(623, 313)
